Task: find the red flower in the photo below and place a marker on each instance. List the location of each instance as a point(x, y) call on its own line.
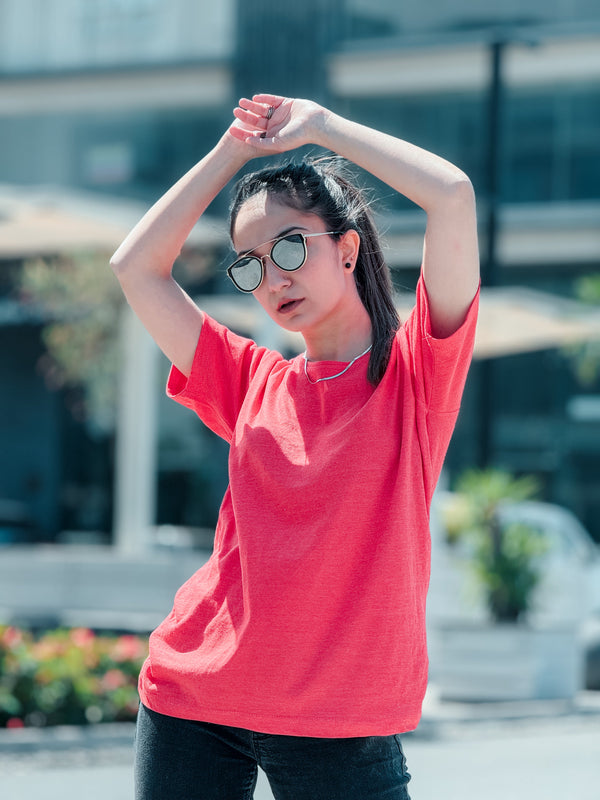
point(129, 648)
point(82, 637)
point(113, 679)
point(12, 637)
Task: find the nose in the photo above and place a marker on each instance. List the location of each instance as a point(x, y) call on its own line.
point(275, 278)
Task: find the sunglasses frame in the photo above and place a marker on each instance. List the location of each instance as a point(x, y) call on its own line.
point(261, 259)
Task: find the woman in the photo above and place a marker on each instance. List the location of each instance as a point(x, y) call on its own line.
point(300, 646)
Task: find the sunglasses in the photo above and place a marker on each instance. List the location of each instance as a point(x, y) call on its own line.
point(288, 253)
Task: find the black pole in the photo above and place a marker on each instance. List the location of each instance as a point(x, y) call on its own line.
point(489, 277)
point(489, 269)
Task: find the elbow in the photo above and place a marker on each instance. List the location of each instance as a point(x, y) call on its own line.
point(119, 264)
point(461, 189)
point(455, 194)
point(455, 199)
point(115, 264)
point(458, 196)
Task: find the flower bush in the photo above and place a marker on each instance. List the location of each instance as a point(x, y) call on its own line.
point(68, 677)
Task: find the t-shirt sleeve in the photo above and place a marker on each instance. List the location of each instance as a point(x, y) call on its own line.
point(439, 366)
point(439, 370)
point(223, 367)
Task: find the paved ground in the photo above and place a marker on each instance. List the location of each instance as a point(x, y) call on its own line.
point(508, 752)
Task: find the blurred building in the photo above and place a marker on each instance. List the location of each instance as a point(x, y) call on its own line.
point(120, 97)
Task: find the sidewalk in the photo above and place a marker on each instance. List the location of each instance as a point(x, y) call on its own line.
point(439, 716)
point(499, 751)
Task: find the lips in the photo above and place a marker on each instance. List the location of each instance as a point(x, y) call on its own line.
point(288, 304)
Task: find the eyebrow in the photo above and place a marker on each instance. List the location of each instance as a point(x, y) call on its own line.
point(280, 235)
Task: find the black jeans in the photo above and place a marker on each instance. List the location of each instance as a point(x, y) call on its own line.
point(185, 760)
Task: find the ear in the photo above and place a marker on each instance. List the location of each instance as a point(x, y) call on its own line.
point(349, 245)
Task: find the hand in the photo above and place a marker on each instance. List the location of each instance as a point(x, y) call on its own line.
point(272, 124)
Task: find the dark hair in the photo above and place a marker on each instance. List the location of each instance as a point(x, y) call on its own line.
point(320, 187)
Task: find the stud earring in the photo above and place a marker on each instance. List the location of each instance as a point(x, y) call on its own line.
point(348, 265)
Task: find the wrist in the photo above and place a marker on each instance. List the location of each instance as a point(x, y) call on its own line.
point(321, 124)
point(233, 151)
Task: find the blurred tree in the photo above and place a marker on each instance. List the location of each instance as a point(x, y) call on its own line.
point(79, 301)
point(586, 357)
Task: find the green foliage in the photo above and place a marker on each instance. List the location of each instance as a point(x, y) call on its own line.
point(81, 301)
point(588, 289)
point(504, 558)
point(68, 677)
point(485, 489)
point(585, 357)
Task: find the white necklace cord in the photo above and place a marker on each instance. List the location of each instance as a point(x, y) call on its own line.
point(337, 375)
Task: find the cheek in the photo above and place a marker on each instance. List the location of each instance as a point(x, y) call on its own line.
point(261, 295)
point(332, 278)
point(321, 271)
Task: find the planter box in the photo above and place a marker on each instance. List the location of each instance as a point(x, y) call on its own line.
point(490, 662)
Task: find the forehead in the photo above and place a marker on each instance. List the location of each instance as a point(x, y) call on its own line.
point(263, 217)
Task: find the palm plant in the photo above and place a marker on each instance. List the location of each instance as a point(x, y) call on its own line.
point(505, 556)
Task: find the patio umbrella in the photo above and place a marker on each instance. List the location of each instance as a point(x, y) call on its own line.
point(511, 320)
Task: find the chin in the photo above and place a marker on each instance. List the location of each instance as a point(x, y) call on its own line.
point(291, 325)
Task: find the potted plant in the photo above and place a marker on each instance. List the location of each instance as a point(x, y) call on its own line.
point(505, 657)
point(503, 556)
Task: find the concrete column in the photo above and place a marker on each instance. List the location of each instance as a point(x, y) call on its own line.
point(136, 443)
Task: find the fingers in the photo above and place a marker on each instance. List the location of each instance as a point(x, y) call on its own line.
point(239, 133)
point(250, 136)
point(263, 105)
point(261, 109)
point(251, 119)
point(254, 118)
point(274, 100)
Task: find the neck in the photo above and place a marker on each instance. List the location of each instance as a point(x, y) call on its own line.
point(341, 341)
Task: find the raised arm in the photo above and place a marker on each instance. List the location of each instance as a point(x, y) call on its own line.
point(144, 261)
point(450, 256)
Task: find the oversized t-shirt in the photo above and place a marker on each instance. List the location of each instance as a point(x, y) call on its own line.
point(309, 617)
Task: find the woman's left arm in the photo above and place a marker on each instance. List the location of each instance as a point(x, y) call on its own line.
point(450, 256)
point(444, 192)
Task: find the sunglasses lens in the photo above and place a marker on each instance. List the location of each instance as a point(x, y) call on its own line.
point(247, 274)
point(289, 253)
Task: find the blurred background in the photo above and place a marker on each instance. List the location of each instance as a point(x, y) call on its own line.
point(108, 491)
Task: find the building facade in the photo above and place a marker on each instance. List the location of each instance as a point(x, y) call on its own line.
point(120, 97)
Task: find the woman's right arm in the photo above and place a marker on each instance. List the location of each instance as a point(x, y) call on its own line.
point(143, 263)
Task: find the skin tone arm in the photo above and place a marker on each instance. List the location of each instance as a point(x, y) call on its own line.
point(144, 261)
point(450, 257)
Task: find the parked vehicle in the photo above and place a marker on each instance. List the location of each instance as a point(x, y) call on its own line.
point(571, 563)
point(569, 586)
point(568, 590)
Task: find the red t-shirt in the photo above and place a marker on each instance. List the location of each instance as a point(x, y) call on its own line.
point(309, 618)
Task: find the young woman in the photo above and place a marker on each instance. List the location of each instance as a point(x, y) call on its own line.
point(300, 646)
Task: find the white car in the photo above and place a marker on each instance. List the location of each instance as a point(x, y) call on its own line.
point(568, 592)
point(569, 588)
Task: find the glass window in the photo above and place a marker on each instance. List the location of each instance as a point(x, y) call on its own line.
point(143, 153)
point(370, 18)
point(584, 155)
point(451, 125)
point(551, 145)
